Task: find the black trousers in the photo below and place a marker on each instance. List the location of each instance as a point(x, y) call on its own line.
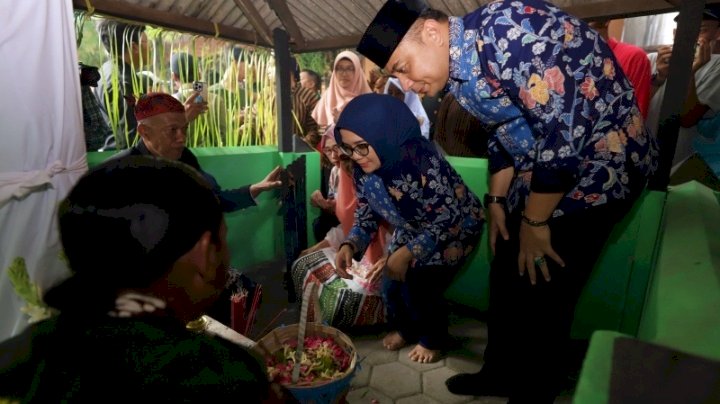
point(417, 308)
point(529, 326)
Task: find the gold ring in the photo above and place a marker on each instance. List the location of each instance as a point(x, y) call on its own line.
point(539, 261)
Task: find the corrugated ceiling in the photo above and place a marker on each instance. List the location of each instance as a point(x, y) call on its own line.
point(314, 24)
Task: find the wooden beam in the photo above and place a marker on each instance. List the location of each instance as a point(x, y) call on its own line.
point(619, 9)
point(676, 89)
point(282, 89)
point(166, 19)
point(255, 19)
point(349, 41)
point(283, 12)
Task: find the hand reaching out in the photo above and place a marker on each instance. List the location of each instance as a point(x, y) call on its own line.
point(343, 261)
point(377, 269)
point(194, 109)
point(271, 181)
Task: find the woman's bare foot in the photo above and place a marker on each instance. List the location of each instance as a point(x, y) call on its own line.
point(393, 341)
point(421, 354)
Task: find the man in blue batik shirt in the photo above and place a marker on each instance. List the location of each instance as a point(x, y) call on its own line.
point(568, 157)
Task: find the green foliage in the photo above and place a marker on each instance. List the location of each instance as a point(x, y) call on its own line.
point(239, 114)
point(28, 291)
point(90, 51)
point(315, 61)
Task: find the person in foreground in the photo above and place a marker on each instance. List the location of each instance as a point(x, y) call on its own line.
point(162, 127)
point(401, 178)
point(146, 243)
point(568, 157)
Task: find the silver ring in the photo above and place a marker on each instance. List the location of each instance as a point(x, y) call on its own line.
point(539, 261)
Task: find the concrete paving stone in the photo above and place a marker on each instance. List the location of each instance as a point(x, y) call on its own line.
point(366, 395)
point(362, 375)
point(434, 386)
point(420, 367)
point(464, 364)
point(419, 399)
point(395, 380)
point(371, 352)
point(474, 347)
point(468, 328)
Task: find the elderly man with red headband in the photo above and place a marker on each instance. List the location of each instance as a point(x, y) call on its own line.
point(162, 127)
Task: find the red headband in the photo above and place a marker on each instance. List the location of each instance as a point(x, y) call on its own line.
point(152, 104)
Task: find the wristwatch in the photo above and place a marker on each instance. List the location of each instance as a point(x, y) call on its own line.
point(488, 199)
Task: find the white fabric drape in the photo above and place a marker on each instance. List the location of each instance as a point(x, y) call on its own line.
point(649, 31)
point(42, 151)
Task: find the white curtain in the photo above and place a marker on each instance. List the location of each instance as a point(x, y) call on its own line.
point(649, 31)
point(42, 150)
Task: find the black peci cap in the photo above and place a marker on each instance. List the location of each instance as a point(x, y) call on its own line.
point(388, 28)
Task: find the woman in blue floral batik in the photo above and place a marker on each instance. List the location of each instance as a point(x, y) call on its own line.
point(568, 157)
point(401, 178)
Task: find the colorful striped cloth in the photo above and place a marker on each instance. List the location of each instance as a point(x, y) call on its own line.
point(343, 303)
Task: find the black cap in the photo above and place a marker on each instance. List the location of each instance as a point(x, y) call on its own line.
point(388, 28)
point(183, 64)
point(709, 13)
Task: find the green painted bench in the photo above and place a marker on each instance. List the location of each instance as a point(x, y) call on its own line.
point(683, 299)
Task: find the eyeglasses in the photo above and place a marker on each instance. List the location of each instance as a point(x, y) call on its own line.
point(332, 149)
point(361, 149)
point(341, 70)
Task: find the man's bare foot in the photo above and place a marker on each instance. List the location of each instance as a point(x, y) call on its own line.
point(393, 341)
point(421, 354)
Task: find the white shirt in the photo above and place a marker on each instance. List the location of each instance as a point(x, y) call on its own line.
point(707, 81)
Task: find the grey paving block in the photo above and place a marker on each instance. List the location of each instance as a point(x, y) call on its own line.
point(420, 367)
point(468, 328)
point(362, 375)
point(372, 352)
point(474, 347)
point(396, 380)
point(434, 386)
point(367, 395)
point(463, 363)
point(419, 399)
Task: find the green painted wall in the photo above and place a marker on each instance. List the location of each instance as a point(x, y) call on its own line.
point(255, 234)
point(613, 299)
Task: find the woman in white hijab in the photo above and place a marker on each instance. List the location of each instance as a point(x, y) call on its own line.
point(412, 100)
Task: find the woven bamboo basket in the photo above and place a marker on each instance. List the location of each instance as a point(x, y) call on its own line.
point(324, 392)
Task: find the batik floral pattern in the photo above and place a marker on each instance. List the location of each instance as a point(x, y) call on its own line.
point(559, 107)
point(431, 209)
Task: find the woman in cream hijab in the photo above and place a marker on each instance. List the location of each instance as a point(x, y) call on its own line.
point(347, 82)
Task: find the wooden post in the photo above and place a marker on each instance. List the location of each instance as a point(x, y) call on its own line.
point(676, 88)
point(282, 86)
